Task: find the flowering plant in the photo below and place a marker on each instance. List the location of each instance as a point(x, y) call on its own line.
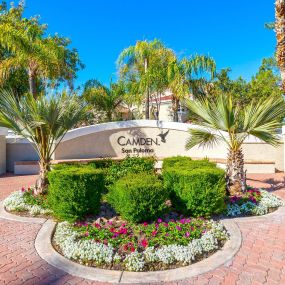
point(25, 200)
point(139, 247)
point(251, 195)
point(128, 238)
point(252, 202)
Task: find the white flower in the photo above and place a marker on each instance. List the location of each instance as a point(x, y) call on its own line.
point(17, 202)
point(267, 201)
point(85, 251)
point(134, 261)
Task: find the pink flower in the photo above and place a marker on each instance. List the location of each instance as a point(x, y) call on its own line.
point(167, 234)
point(153, 233)
point(145, 224)
point(178, 228)
point(86, 234)
point(23, 189)
point(165, 224)
point(97, 226)
point(144, 243)
point(110, 222)
point(187, 234)
point(159, 220)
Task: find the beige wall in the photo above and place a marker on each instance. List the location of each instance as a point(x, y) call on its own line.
point(2, 154)
point(102, 141)
point(105, 144)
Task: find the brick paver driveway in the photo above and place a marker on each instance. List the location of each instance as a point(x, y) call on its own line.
point(260, 260)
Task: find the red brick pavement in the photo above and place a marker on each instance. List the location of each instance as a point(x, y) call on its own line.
point(261, 259)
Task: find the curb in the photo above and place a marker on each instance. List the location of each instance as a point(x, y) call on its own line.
point(49, 254)
point(8, 216)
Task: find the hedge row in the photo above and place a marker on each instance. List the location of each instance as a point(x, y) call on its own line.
point(196, 188)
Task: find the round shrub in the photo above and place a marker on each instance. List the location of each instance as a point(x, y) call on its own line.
point(138, 197)
point(119, 169)
point(75, 191)
point(199, 190)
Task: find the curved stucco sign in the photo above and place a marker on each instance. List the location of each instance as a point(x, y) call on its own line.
point(118, 139)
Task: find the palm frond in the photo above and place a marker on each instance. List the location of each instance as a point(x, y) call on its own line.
point(202, 137)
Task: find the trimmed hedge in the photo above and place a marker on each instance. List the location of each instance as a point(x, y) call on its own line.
point(197, 187)
point(185, 162)
point(138, 197)
point(119, 169)
point(75, 191)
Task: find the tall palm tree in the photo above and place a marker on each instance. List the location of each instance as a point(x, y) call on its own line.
point(219, 120)
point(139, 58)
point(43, 121)
point(280, 36)
point(185, 75)
point(103, 98)
point(28, 49)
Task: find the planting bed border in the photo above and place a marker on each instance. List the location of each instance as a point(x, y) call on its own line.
point(46, 251)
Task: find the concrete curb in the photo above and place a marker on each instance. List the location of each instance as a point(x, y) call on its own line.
point(49, 254)
point(8, 216)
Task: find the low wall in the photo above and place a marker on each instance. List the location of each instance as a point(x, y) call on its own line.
point(19, 150)
point(162, 139)
point(145, 137)
point(3, 133)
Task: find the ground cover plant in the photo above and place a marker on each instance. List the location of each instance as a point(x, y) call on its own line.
point(252, 202)
point(25, 201)
point(140, 247)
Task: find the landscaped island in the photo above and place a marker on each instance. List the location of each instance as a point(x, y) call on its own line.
point(127, 216)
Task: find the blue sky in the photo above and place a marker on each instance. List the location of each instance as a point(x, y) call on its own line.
point(230, 31)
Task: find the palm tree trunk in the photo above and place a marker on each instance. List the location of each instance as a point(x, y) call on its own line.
point(147, 92)
point(42, 181)
point(280, 36)
point(32, 84)
point(147, 105)
point(235, 174)
point(175, 106)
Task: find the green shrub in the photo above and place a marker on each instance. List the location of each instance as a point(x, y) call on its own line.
point(198, 189)
point(102, 163)
point(171, 161)
point(75, 191)
point(129, 165)
point(185, 162)
point(138, 197)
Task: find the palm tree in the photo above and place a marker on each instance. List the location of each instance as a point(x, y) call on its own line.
point(103, 98)
point(185, 75)
point(28, 49)
point(280, 36)
point(43, 121)
point(138, 59)
point(219, 120)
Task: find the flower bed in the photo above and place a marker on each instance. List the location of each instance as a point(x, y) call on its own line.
point(26, 202)
point(253, 202)
point(140, 247)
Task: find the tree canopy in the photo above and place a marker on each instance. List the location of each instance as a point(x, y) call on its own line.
point(29, 53)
